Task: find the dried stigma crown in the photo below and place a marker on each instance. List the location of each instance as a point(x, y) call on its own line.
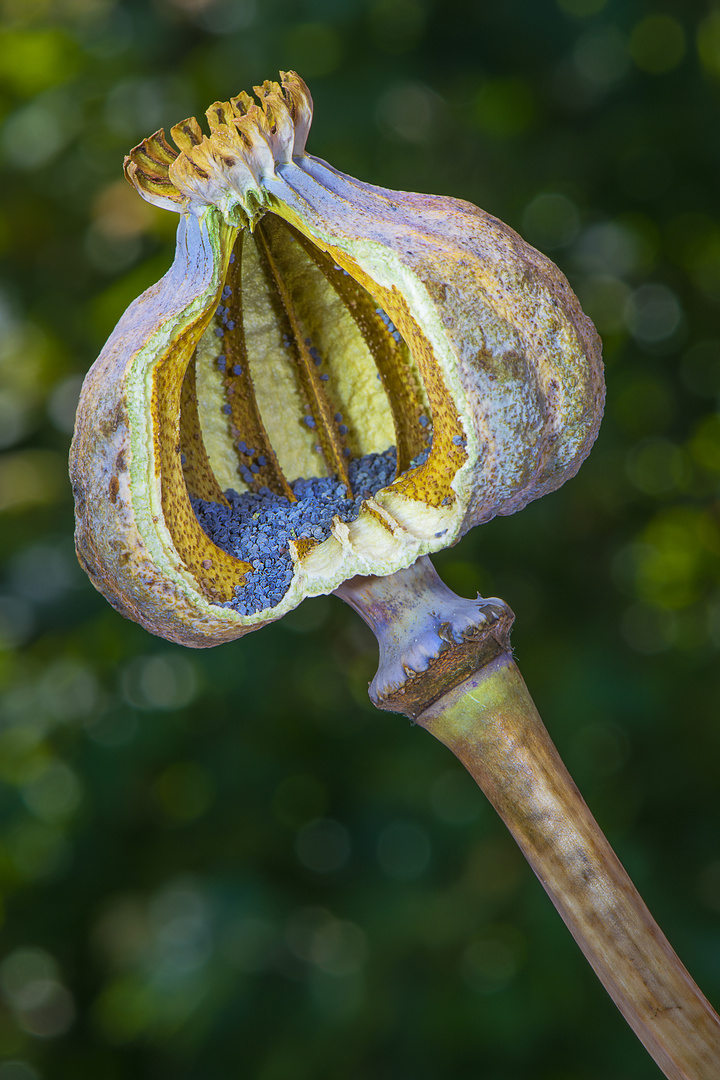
point(332, 379)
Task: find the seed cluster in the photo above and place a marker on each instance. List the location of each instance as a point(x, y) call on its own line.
point(257, 526)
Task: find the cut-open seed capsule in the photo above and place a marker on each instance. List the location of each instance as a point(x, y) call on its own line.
point(332, 379)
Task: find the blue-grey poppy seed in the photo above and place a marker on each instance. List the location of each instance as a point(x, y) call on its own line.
point(423, 421)
point(227, 409)
point(259, 525)
point(237, 370)
point(262, 460)
point(309, 421)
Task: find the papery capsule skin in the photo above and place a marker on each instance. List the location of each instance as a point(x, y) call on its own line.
point(463, 319)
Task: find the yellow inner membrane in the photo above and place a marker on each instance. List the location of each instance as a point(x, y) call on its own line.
point(301, 368)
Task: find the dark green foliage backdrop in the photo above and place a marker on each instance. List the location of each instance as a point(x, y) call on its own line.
point(227, 864)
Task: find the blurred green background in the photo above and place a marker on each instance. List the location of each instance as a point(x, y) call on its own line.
point(226, 864)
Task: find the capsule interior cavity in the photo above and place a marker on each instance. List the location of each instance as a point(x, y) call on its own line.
point(300, 401)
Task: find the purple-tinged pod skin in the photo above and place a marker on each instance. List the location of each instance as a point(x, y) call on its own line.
point(421, 321)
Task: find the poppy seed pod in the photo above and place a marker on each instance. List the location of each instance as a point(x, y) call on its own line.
point(332, 379)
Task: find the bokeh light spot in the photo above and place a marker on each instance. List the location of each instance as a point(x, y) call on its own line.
point(492, 961)
point(604, 299)
point(408, 110)
point(397, 25)
point(31, 478)
point(657, 467)
point(314, 48)
point(607, 248)
point(38, 851)
point(404, 850)
point(550, 221)
point(30, 983)
point(55, 794)
point(700, 369)
point(643, 404)
point(34, 60)
point(505, 107)
point(705, 443)
point(121, 934)
point(18, 1070)
point(17, 622)
point(62, 403)
point(117, 211)
point(336, 946)
point(708, 41)
point(33, 135)
point(165, 681)
point(649, 629)
point(652, 313)
point(219, 16)
point(581, 9)
point(601, 56)
point(27, 976)
point(13, 417)
point(249, 942)
point(46, 571)
point(184, 790)
point(323, 846)
point(179, 918)
point(657, 44)
point(123, 1010)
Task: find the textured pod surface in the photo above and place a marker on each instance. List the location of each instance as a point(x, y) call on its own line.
point(312, 324)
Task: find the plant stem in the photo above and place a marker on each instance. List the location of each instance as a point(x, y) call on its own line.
point(446, 662)
point(491, 724)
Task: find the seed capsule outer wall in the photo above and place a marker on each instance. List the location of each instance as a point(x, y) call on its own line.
point(510, 369)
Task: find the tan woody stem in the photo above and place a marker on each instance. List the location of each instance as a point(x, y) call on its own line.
point(489, 721)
